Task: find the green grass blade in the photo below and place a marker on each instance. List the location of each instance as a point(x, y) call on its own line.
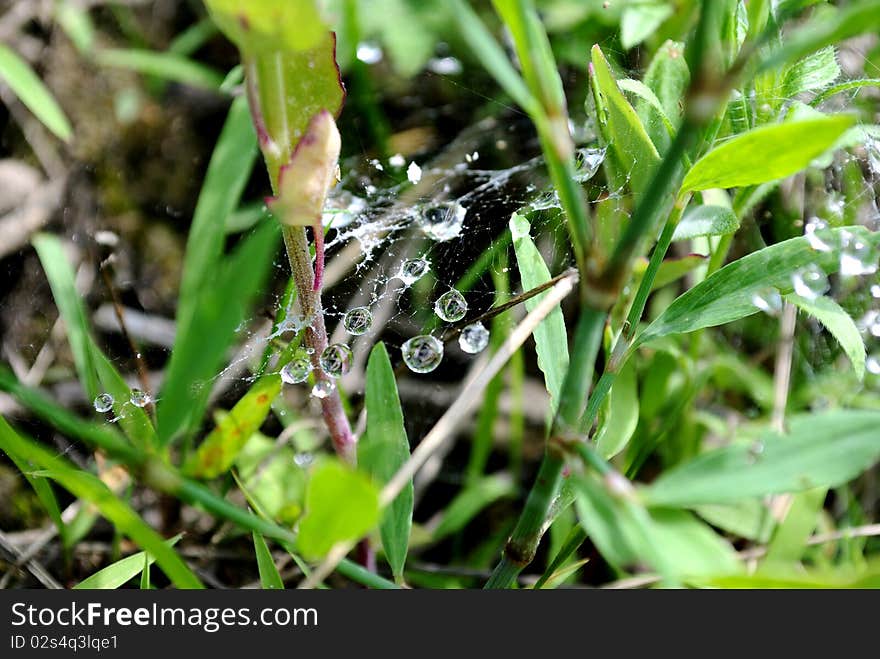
point(706, 221)
point(382, 450)
point(551, 339)
point(33, 93)
point(618, 423)
point(765, 154)
point(819, 450)
point(145, 574)
point(122, 571)
point(790, 537)
point(46, 495)
point(468, 503)
point(269, 576)
point(839, 323)
point(89, 488)
point(169, 66)
point(200, 348)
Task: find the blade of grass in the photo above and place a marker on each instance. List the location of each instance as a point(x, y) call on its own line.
point(269, 576)
point(169, 66)
point(122, 571)
point(33, 93)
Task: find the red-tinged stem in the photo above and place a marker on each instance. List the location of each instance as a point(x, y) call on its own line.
point(318, 230)
point(309, 299)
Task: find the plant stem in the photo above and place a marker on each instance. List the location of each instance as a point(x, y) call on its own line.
point(315, 336)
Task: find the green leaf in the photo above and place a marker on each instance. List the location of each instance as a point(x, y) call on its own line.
point(201, 347)
point(341, 505)
point(46, 495)
point(790, 538)
point(221, 447)
point(650, 109)
point(91, 489)
point(77, 23)
point(468, 503)
point(746, 519)
point(819, 450)
point(727, 294)
point(765, 154)
point(826, 29)
point(269, 577)
point(706, 221)
point(228, 172)
point(551, 340)
point(632, 157)
point(269, 25)
point(61, 280)
point(668, 77)
point(122, 571)
point(169, 66)
point(816, 71)
point(839, 323)
point(382, 450)
point(675, 268)
point(640, 20)
point(33, 93)
point(843, 87)
point(620, 414)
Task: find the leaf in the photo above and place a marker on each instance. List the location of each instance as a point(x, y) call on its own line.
point(169, 66)
point(551, 340)
point(122, 571)
point(341, 505)
point(269, 577)
point(222, 446)
point(655, 108)
point(89, 488)
point(828, 28)
point(727, 294)
point(640, 20)
point(748, 519)
point(382, 450)
point(61, 280)
point(269, 25)
point(673, 269)
point(223, 305)
point(33, 93)
point(668, 77)
point(706, 221)
point(843, 87)
point(819, 450)
point(470, 501)
point(621, 413)
point(790, 538)
point(228, 172)
point(765, 154)
point(46, 495)
point(75, 21)
point(839, 323)
point(631, 156)
point(815, 71)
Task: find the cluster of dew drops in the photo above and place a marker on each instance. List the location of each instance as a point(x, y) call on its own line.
point(857, 259)
point(104, 402)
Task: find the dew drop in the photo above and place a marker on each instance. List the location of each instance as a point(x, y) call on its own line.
point(422, 354)
point(768, 300)
point(813, 225)
point(443, 221)
point(856, 257)
point(414, 173)
point(397, 161)
point(875, 290)
point(303, 460)
point(358, 321)
point(412, 270)
point(474, 338)
point(587, 162)
point(451, 306)
point(336, 360)
point(369, 53)
point(309, 350)
point(810, 282)
point(323, 388)
point(139, 398)
point(103, 403)
point(873, 364)
point(296, 370)
point(445, 66)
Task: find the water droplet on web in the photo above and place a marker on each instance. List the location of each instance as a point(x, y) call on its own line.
point(474, 338)
point(357, 321)
point(106, 238)
point(296, 370)
point(323, 388)
point(336, 360)
point(443, 221)
point(586, 164)
point(397, 161)
point(377, 165)
point(768, 300)
point(139, 398)
point(414, 173)
point(873, 364)
point(856, 257)
point(451, 306)
point(875, 290)
point(103, 403)
point(813, 225)
point(369, 53)
point(309, 350)
point(422, 354)
point(472, 157)
point(444, 66)
point(412, 270)
point(303, 460)
point(872, 146)
point(810, 282)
